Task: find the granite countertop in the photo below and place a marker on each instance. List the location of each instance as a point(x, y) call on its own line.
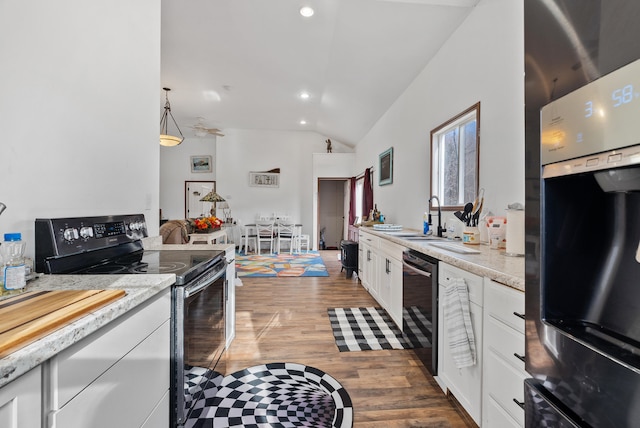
point(490, 263)
point(138, 289)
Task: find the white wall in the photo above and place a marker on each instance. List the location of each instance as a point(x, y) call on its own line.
point(482, 61)
point(175, 167)
point(242, 151)
point(79, 97)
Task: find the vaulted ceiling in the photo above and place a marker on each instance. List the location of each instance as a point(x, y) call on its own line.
point(245, 63)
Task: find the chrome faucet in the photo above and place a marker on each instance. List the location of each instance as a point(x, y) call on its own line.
point(440, 229)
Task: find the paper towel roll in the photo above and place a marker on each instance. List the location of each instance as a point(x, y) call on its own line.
point(515, 232)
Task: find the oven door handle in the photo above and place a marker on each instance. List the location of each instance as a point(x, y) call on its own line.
point(416, 270)
point(196, 288)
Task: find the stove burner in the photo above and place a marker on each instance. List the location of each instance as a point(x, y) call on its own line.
point(163, 267)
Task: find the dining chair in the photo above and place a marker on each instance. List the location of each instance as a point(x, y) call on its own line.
point(299, 241)
point(264, 232)
point(286, 233)
point(247, 236)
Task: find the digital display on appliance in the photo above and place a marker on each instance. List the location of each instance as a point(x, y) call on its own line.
point(100, 230)
point(598, 117)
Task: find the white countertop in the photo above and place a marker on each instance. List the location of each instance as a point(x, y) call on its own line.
point(490, 263)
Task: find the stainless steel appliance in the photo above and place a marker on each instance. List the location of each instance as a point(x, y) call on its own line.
point(112, 245)
point(420, 305)
point(583, 335)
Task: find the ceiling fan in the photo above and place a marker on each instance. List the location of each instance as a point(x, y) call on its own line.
point(200, 130)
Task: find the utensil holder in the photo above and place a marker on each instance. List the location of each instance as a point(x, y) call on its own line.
point(471, 235)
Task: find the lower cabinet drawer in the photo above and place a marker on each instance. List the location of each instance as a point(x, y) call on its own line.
point(497, 417)
point(127, 394)
point(505, 384)
point(505, 341)
point(83, 362)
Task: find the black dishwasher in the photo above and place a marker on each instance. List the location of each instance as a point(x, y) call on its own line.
point(420, 306)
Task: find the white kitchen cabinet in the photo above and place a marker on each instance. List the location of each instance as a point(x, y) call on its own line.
point(117, 376)
point(390, 279)
point(369, 279)
point(230, 305)
point(20, 401)
point(381, 273)
point(466, 383)
point(504, 372)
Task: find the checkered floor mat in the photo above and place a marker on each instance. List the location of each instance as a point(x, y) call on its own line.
point(360, 329)
point(277, 395)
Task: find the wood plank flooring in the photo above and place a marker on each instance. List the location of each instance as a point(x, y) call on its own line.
point(285, 320)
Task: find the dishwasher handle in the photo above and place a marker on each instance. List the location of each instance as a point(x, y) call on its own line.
point(416, 270)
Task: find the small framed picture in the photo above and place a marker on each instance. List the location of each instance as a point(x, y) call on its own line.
point(201, 163)
point(386, 167)
point(264, 179)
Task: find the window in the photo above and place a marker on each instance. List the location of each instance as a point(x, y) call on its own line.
point(455, 148)
point(359, 190)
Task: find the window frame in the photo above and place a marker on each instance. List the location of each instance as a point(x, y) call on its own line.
point(437, 160)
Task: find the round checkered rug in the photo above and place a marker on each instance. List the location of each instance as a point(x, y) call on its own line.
point(280, 395)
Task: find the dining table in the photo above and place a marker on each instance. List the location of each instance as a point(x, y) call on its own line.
point(209, 238)
point(251, 229)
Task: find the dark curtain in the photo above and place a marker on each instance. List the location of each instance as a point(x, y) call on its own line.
point(367, 194)
point(352, 200)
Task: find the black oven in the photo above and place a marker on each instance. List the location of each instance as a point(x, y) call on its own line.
point(113, 245)
point(199, 335)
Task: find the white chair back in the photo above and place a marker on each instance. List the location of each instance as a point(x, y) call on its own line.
point(264, 232)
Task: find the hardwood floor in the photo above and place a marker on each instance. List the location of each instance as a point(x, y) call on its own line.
point(285, 320)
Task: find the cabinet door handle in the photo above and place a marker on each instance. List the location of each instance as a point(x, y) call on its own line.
point(368, 255)
point(519, 315)
point(387, 266)
point(519, 403)
point(518, 356)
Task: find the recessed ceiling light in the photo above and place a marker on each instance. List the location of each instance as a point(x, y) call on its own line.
point(303, 122)
point(306, 11)
point(304, 95)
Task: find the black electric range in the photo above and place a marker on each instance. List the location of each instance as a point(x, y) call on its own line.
point(112, 245)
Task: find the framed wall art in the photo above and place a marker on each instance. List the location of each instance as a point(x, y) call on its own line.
point(386, 167)
point(264, 179)
point(201, 163)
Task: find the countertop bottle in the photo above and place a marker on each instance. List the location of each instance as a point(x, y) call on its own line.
point(14, 270)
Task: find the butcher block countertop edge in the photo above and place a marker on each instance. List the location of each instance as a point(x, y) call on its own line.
point(138, 288)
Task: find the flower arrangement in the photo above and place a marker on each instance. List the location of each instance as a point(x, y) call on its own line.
point(206, 223)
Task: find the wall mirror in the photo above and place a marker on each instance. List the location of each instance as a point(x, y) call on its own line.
point(193, 192)
point(455, 156)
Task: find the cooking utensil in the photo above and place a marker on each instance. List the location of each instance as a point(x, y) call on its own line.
point(468, 209)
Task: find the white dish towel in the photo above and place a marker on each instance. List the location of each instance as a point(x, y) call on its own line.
point(457, 316)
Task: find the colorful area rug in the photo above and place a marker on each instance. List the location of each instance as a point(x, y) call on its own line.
point(362, 329)
point(282, 265)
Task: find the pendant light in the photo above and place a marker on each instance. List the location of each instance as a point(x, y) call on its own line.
point(167, 139)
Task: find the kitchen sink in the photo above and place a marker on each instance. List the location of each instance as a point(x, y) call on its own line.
point(422, 238)
point(401, 234)
point(455, 247)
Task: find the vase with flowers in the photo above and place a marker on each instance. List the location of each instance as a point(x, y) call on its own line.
point(207, 224)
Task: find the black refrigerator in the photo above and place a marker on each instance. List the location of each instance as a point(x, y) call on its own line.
point(582, 307)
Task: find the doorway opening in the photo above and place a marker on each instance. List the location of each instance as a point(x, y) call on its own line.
point(333, 212)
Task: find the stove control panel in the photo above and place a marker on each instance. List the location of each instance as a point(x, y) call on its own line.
point(67, 236)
